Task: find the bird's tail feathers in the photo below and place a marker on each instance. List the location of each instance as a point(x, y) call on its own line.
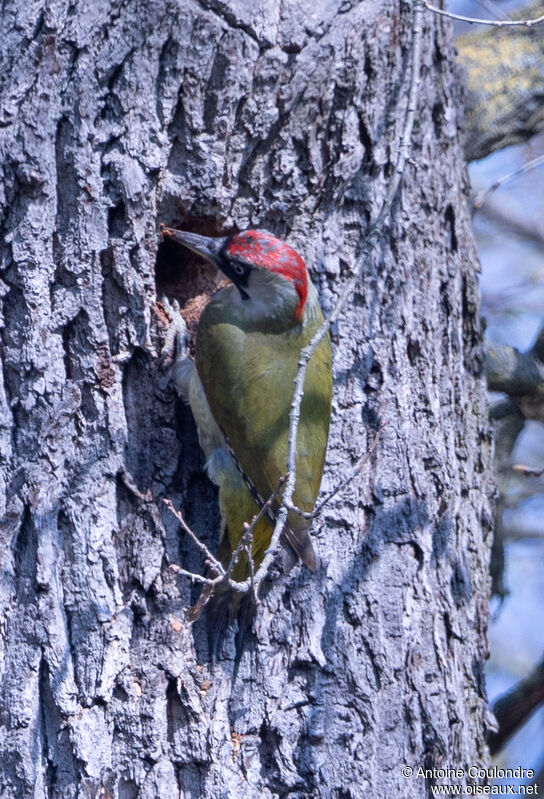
point(224, 605)
point(300, 543)
point(224, 608)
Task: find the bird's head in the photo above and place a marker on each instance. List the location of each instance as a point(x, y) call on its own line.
point(265, 270)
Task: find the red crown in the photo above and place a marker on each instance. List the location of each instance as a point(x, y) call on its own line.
point(266, 251)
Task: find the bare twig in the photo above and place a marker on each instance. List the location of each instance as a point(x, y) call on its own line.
point(128, 482)
point(341, 485)
point(198, 578)
point(528, 471)
point(246, 541)
point(217, 565)
point(515, 707)
point(499, 23)
point(482, 195)
point(251, 563)
point(147, 501)
point(520, 375)
point(369, 243)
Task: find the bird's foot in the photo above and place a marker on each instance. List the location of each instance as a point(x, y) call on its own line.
point(175, 341)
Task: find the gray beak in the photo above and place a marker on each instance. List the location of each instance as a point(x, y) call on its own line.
point(205, 246)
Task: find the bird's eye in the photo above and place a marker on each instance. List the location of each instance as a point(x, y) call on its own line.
point(238, 269)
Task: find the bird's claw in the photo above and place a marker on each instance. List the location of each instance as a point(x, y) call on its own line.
point(175, 341)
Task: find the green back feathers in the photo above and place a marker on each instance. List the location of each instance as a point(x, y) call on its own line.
point(248, 380)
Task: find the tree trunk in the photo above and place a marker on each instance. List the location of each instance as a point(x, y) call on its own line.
point(217, 116)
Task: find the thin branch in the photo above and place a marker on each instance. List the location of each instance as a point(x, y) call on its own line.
point(146, 500)
point(508, 422)
point(212, 581)
point(518, 374)
point(528, 471)
point(251, 563)
point(482, 195)
point(515, 707)
point(363, 460)
point(371, 240)
point(246, 541)
point(128, 482)
point(499, 23)
point(217, 565)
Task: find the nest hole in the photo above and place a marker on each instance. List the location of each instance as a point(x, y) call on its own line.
point(183, 276)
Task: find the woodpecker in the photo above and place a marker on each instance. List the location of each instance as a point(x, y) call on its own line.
point(240, 387)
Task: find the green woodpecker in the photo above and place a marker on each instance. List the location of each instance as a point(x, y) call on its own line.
point(248, 344)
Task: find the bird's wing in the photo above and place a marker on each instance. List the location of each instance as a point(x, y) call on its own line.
point(248, 380)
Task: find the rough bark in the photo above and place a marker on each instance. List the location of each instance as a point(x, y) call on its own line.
point(215, 116)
